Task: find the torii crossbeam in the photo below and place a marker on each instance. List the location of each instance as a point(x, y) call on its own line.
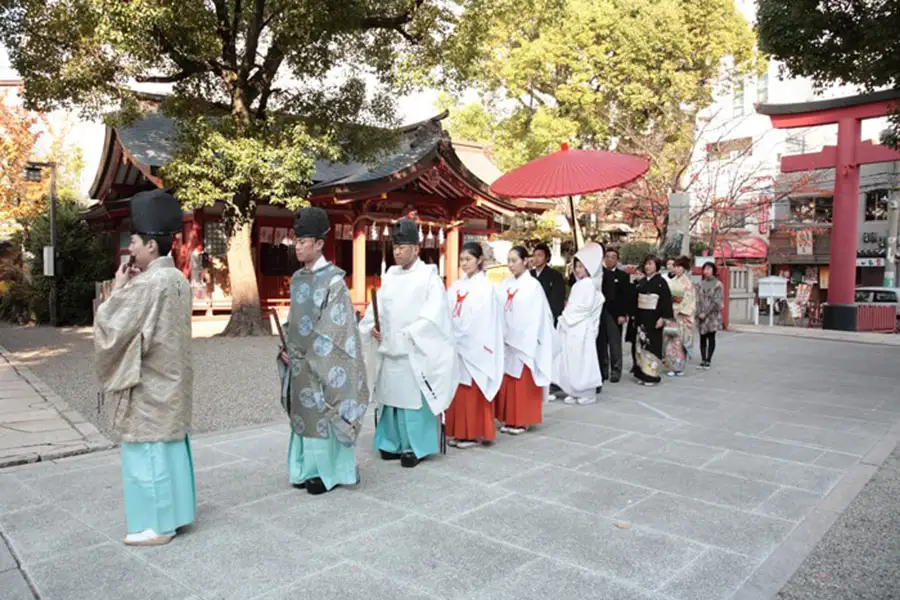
point(845, 159)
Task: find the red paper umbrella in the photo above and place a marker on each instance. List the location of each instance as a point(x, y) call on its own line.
point(570, 173)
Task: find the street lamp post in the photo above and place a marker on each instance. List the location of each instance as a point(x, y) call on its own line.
point(33, 173)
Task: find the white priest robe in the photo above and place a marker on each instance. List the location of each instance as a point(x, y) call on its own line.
point(478, 332)
point(416, 356)
point(577, 366)
point(529, 337)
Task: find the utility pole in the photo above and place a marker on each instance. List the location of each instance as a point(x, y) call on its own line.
point(890, 266)
point(33, 173)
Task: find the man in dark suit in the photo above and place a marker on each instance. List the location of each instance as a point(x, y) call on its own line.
point(616, 284)
point(551, 280)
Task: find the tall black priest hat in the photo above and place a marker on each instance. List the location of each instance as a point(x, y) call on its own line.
point(155, 212)
point(311, 222)
point(405, 232)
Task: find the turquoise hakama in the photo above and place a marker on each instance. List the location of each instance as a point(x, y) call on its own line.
point(325, 458)
point(159, 487)
point(406, 430)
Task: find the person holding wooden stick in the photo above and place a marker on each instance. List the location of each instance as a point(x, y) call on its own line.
point(410, 354)
point(324, 388)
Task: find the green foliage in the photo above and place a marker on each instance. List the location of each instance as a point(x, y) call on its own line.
point(82, 260)
point(591, 73)
point(632, 253)
point(849, 42)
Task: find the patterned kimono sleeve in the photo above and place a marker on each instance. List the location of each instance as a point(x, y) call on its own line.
point(336, 357)
point(117, 335)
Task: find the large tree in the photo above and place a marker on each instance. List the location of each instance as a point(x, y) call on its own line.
point(628, 75)
point(834, 40)
point(260, 89)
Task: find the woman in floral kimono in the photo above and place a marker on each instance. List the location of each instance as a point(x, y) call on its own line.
point(478, 333)
point(679, 331)
point(710, 301)
point(654, 306)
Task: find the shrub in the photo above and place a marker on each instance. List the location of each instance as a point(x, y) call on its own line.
point(632, 253)
point(82, 260)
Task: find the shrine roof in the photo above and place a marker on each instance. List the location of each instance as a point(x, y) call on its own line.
point(796, 108)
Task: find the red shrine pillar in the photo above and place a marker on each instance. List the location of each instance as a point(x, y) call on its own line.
point(840, 312)
point(451, 256)
point(358, 277)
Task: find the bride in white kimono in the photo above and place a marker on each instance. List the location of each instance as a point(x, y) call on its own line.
point(577, 366)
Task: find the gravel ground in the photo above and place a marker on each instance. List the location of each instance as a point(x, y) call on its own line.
point(235, 381)
point(859, 558)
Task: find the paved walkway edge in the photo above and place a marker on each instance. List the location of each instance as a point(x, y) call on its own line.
point(858, 337)
point(781, 565)
point(93, 439)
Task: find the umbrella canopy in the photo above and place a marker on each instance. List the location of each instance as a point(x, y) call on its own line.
point(570, 173)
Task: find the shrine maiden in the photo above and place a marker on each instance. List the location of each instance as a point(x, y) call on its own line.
point(142, 338)
point(478, 330)
point(530, 345)
point(323, 375)
point(411, 359)
point(578, 367)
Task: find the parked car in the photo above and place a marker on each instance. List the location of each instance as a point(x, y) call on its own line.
point(880, 295)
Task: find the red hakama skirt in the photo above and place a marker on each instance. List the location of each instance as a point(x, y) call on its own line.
point(470, 416)
point(520, 401)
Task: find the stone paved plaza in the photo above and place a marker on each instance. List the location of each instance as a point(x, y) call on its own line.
point(715, 485)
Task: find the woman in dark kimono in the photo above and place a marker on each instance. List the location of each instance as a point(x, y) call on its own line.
point(654, 306)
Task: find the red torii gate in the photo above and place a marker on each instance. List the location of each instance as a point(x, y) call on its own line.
point(845, 159)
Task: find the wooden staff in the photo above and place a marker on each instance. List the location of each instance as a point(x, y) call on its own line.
point(278, 327)
point(377, 328)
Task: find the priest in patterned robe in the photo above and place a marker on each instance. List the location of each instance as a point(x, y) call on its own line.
point(411, 358)
point(324, 388)
point(142, 339)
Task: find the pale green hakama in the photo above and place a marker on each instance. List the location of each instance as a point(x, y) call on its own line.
point(158, 482)
point(325, 458)
point(408, 430)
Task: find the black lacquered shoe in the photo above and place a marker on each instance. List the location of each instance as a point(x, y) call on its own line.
point(408, 460)
point(389, 455)
point(315, 486)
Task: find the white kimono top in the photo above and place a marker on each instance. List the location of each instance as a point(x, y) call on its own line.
point(478, 330)
point(416, 357)
point(528, 333)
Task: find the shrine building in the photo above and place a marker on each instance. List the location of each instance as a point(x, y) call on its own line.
point(424, 175)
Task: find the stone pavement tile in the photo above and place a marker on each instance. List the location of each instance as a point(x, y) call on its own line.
point(14, 587)
point(837, 460)
point(733, 441)
point(808, 477)
point(38, 534)
point(444, 560)
point(431, 494)
point(589, 435)
point(329, 519)
point(15, 495)
point(684, 481)
point(106, 571)
point(596, 415)
point(546, 579)
point(482, 464)
point(203, 440)
point(743, 532)
point(714, 576)
point(71, 490)
point(828, 440)
point(348, 581)
point(269, 448)
point(208, 457)
point(578, 490)
point(238, 483)
point(232, 557)
point(547, 450)
point(7, 560)
point(691, 455)
point(35, 422)
point(790, 504)
point(639, 557)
